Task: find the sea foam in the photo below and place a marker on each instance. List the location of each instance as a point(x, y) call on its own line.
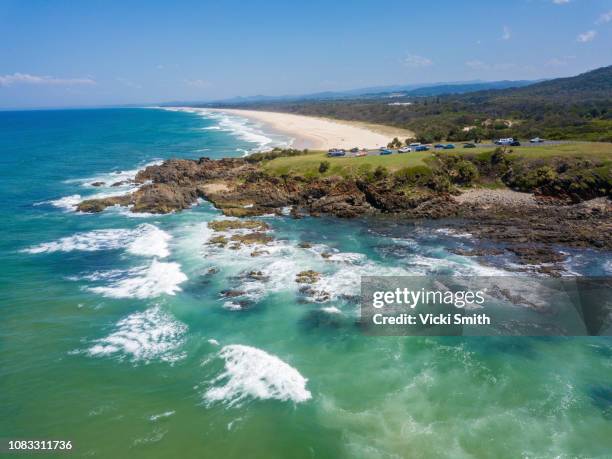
point(238, 126)
point(145, 240)
point(145, 282)
point(251, 373)
point(143, 336)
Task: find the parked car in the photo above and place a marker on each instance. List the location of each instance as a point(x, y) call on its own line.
point(439, 145)
point(450, 146)
point(404, 150)
point(506, 141)
point(354, 150)
point(421, 148)
point(361, 153)
point(333, 153)
point(414, 144)
point(515, 143)
point(536, 140)
point(469, 145)
point(385, 151)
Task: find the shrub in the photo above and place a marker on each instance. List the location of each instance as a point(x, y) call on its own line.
point(466, 172)
point(324, 167)
point(417, 175)
point(380, 173)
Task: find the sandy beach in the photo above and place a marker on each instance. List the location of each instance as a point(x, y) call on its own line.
point(323, 133)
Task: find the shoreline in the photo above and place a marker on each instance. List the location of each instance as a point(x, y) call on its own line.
point(317, 133)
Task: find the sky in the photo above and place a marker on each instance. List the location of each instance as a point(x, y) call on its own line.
point(98, 53)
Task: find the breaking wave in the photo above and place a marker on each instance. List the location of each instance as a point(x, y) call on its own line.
point(145, 240)
point(144, 282)
point(251, 373)
point(142, 337)
point(240, 127)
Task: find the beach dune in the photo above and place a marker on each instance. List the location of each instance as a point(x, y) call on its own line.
point(323, 133)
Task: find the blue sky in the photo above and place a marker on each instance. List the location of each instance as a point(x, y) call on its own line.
point(71, 53)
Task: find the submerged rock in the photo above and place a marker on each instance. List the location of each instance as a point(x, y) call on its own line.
point(226, 225)
point(251, 238)
point(307, 277)
point(218, 240)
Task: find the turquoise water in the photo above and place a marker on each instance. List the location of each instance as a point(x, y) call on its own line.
point(115, 333)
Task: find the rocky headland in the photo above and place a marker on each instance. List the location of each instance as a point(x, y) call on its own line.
point(533, 225)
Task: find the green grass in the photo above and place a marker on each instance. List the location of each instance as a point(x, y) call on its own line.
point(308, 165)
point(601, 151)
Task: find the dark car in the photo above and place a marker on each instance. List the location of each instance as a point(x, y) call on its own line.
point(354, 150)
point(450, 146)
point(421, 148)
point(333, 153)
point(516, 143)
point(439, 145)
point(469, 145)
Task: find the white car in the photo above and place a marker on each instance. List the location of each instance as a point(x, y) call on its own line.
point(404, 150)
point(536, 140)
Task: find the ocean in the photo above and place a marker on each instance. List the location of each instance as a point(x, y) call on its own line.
point(132, 337)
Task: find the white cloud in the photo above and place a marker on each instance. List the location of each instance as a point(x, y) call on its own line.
point(586, 37)
point(605, 17)
point(561, 2)
point(507, 33)
point(412, 60)
point(198, 83)
point(26, 78)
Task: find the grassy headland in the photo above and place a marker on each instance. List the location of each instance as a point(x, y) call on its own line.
point(571, 171)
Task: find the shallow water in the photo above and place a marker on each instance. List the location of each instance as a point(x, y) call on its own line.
point(115, 333)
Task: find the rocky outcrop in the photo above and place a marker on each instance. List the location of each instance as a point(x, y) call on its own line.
point(241, 188)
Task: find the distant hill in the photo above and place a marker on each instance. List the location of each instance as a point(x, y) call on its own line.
point(578, 107)
point(413, 90)
point(462, 88)
point(594, 85)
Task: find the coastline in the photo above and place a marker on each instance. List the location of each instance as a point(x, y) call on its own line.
point(317, 133)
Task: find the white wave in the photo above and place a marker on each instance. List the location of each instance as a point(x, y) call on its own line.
point(67, 203)
point(251, 373)
point(453, 233)
point(150, 241)
point(143, 336)
point(347, 257)
point(110, 178)
point(145, 240)
point(238, 126)
point(331, 310)
point(145, 282)
point(157, 417)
